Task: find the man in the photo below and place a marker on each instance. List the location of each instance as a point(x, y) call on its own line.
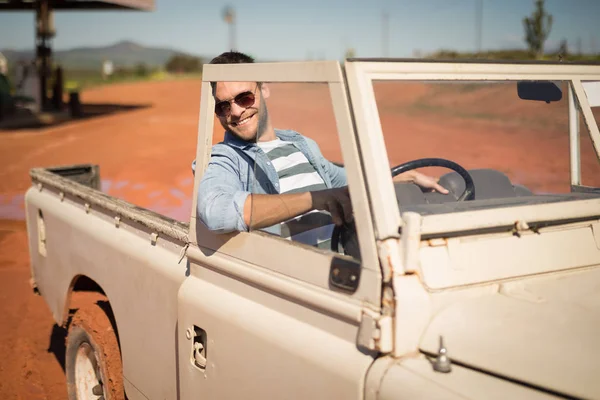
point(250, 184)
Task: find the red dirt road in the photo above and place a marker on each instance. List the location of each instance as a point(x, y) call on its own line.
point(149, 147)
point(145, 157)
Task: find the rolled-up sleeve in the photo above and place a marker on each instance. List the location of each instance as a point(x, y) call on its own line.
point(221, 196)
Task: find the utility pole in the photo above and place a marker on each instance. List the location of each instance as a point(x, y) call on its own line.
point(44, 31)
point(478, 24)
point(229, 17)
point(385, 33)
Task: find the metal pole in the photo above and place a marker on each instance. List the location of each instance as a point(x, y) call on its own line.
point(232, 35)
point(385, 34)
point(229, 17)
point(40, 64)
point(478, 23)
point(43, 51)
point(574, 152)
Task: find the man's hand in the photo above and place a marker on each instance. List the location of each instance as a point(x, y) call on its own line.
point(336, 202)
point(423, 181)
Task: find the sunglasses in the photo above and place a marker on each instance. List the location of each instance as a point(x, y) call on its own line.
point(244, 100)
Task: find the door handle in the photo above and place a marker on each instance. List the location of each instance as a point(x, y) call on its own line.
point(199, 358)
point(199, 351)
point(41, 231)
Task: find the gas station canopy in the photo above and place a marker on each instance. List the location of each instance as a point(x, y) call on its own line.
point(44, 25)
point(32, 5)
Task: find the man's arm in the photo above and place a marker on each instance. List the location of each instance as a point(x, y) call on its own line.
point(224, 206)
point(263, 210)
point(221, 195)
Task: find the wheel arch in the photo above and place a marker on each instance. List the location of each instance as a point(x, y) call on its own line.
point(85, 290)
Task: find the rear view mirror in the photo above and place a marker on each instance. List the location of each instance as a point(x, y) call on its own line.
point(539, 90)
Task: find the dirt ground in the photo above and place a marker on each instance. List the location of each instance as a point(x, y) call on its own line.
point(146, 149)
point(145, 156)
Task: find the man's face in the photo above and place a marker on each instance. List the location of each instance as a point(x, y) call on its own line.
point(242, 122)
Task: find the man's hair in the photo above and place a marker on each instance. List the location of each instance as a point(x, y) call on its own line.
point(230, 57)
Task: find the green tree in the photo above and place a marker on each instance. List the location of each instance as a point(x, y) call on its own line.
point(537, 29)
point(141, 70)
point(563, 50)
point(180, 63)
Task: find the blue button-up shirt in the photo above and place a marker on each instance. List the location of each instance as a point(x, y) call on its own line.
point(238, 168)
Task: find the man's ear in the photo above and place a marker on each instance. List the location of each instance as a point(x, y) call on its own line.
point(264, 88)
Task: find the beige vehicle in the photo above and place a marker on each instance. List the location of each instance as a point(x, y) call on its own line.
point(492, 292)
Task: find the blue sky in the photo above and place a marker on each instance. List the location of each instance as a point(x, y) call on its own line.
point(301, 29)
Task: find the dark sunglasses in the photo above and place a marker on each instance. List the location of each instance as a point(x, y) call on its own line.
point(244, 100)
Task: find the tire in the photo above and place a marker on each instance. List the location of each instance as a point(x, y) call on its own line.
point(93, 359)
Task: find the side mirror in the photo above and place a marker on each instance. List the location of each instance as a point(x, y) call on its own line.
point(539, 90)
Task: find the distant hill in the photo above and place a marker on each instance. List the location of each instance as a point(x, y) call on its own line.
point(122, 54)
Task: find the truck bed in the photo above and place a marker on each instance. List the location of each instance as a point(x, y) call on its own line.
point(83, 183)
point(82, 240)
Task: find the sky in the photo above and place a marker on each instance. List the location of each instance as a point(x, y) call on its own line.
point(315, 29)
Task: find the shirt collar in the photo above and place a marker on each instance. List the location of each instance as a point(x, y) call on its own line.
point(287, 135)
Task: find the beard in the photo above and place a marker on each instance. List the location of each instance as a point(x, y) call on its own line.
point(263, 120)
point(261, 127)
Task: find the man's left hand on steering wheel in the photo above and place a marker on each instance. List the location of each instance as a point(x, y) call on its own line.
point(421, 180)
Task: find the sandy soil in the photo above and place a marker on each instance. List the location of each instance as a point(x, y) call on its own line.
point(145, 157)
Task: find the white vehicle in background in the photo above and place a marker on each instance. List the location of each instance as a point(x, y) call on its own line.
point(491, 292)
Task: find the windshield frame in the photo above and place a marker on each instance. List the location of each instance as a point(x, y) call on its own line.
point(361, 73)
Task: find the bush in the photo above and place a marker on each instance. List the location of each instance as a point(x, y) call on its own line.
point(141, 70)
point(513, 55)
point(181, 63)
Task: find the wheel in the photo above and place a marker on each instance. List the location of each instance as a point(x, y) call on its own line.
point(93, 359)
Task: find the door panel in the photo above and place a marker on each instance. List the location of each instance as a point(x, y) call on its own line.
point(261, 345)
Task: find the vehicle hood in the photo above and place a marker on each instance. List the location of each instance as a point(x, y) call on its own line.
point(542, 331)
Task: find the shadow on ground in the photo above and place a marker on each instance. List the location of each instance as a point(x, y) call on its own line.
point(25, 119)
point(57, 344)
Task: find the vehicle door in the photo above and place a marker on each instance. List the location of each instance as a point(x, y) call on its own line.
point(263, 314)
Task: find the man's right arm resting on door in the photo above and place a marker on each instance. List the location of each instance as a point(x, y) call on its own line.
point(225, 206)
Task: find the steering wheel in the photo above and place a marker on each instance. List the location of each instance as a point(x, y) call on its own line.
point(467, 194)
point(348, 232)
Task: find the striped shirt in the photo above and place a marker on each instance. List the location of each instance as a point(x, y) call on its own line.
point(296, 174)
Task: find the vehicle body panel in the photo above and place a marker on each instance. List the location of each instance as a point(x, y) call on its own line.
point(140, 280)
point(265, 346)
point(498, 257)
point(414, 378)
point(543, 332)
